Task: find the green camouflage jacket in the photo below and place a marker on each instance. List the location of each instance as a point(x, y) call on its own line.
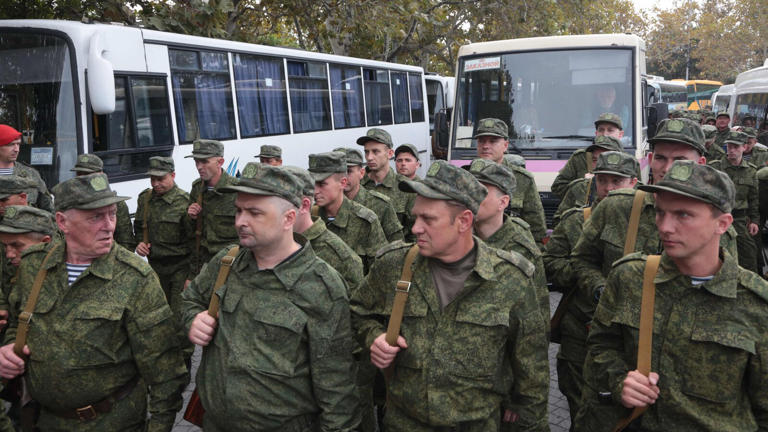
point(282, 348)
point(218, 230)
point(602, 240)
point(557, 253)
point(359, 228)
point(39, 198)
point(714, 152)
point(758, 158)
point(332, 249)
point(88, 339)
point(744, 177)
point(721, 137)
point(401, 201)
point(574, 169)
point(123, 228)
point(709, 348)
point(166, 227)
point(457, 364)
point(382, 206)
point(575, 197)
point(526, 202)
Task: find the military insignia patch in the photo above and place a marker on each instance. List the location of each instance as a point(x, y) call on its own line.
point(614, 158)
point(681, 172)
point(10, 212)
point(488, 123)
point(477, 165)
point(250, 171)
point(675, 125)
point(433, 169)
point(83, 158)
point(98, 183)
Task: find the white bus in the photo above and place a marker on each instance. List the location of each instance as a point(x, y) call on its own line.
point(672, 93)
point(721, 99)
point(127, 93)
point(750, 96)
point(549, 91)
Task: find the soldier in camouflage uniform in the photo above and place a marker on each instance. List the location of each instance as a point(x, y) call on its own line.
point(613, 170)
point(91, 164)
point(354, 223)
point(14, 190)
point(756, 155)
point(472, 334)
point(581, 191)
point(713, 152)
point(407, 161)
point(707, 354)
point(604, 234)
point(492, 142)
point(10, 141)
point(278, 358)
point(578, 165)
point(161, 212)
point(271, 155)
point(513, 160)
point(103, 336)
point(208, 202)
point(722, 122)
point(746, 209)
point(509, 233)
point(379, 203)
point(380, 177)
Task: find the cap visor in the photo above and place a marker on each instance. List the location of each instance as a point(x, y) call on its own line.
point(101, 203)
point(248, 190)
point(363, 140)
point(320, 176)
point(657, 188)
point(201, 156)
point(84, 170)
point(612, 173)
point(13, 230)
point(158, 173)
point(420, 188)
point(653, 141)
point(488, 134)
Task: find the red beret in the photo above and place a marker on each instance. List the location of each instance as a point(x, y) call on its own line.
point(8, 134)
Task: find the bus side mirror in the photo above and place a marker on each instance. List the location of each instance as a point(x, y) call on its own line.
point(440, 135)
point(656, 113)
point(101, 80)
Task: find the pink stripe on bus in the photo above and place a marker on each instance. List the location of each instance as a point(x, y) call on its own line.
point(532, 165)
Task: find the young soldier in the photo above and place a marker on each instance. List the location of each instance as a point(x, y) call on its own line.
point(746, 209)
point(713, 152)
point(492, 142)
point(14, 190)
point(581, 161)
point(355, 224)
point(271, 155)
point(211, 211)
point(407, 161)
point(278, 357)
point(379, 203)
point(613, 170)
point(756, 155)
point(103, 338)
point(472, 334)
point(10, 143)
point(709, 320)
point(722, 122)
point(92, 164)
point(160, 225)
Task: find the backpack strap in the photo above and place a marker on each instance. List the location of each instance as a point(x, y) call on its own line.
point(145, 215)
point(226, 266)
point(26, 316)
point(587, 213)
point(645, 339)
point(402, 289)
point(634, 222)
point(315, 211)
point(588, 156)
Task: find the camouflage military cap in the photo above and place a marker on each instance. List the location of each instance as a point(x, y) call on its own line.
point(723, 114)
point(748, 117)
point(88, 163)
point(496, 174)
point(606, 143)
point(609, 118)
point(750, 131)
point(323, 165)
point(617, 163)
point(676, 113)
point(736, 138)
point(354, 156)
point(268, 180)
point(515, 159)
point(86, 192)
point(491, 127)
point(762, 174)
point(270, 151)
point(304, 177)
point(408, 148)
point(378, 135)
point(448, 182)
point(681, 131)
point(205, 148)
point(710, 132)
point(700, 182)
point(13, 184)
point(160, 166)
point(710, 117)
point(25, 219)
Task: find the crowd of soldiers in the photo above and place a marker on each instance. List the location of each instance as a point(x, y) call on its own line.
point(352, 296)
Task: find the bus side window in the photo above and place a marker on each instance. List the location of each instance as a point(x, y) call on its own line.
point(310, 106)
point(378, 104)
point(347, 96)
point(417, 97)
point(399, 83)
point(262, 104)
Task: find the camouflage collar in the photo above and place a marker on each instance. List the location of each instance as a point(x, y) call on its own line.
point(483, 266)
point(342, 217)
point(101, 267)
point(390, 180)
point(168, 196)
point(724, 284)
point(316, 230)
point(290, 270)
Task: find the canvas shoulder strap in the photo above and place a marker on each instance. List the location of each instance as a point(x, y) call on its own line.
point(315, 211)
point(634, 222)
point(589, 190)
point(588, 155)
point(226, 266)
point(587, 213)
point(26, 316)
point(145, 215)
point(402, 289)
point(645, 339)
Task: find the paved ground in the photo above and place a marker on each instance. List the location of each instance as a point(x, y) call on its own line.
point(559, 420)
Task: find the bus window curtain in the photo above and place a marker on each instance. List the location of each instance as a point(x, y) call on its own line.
point(214, 106)
point(377, 103)
point(178, 104)
point(346, 93)
point(262, 106)
point(399, 82)
point(309, 99)
point(417, 98)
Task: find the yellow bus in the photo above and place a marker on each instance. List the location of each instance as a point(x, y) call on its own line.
point(700, 93)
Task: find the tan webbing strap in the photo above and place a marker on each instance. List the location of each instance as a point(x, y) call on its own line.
point(587, 213)
point(226, 265)
point(26, 316)
point(315, 211)
point(145, 215)
point(589, 190)
point(401, 296)
point(634, 222)
point(589, 161)
point(645, 338)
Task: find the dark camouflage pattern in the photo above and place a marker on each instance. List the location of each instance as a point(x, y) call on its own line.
point(92, 337)
point(736, 137)
point(85, 192)
point(700, 182)
point(707, 349)
point(491, 127)
point(270, 151)
point(13, 184)
point(324, 165)
point(609, 118)
point(401, 201)
point(681, 131)
point(486, 171)
point(382, 206)
point(359, 228)
point(331, 248)
point(581, 192)
point(710, 131)
point(354, 157)
point(259, 179)
point(408, 148)
point(160, 166)
point(377, 135)
point(526, 202)
point(750, 132)
point(617, 163)
point(123, 234)
point(448, 182)
point(757, 157)
point(514, 159)
point(25, 219)
point(606, 143)
point(88, 163)
point(39, 196)
point(575, 168)
point(487, 345)
point(205, 148)
point(282, 352)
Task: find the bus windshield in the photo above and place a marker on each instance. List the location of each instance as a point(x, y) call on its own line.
point(549, 99)
point(37, 98)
